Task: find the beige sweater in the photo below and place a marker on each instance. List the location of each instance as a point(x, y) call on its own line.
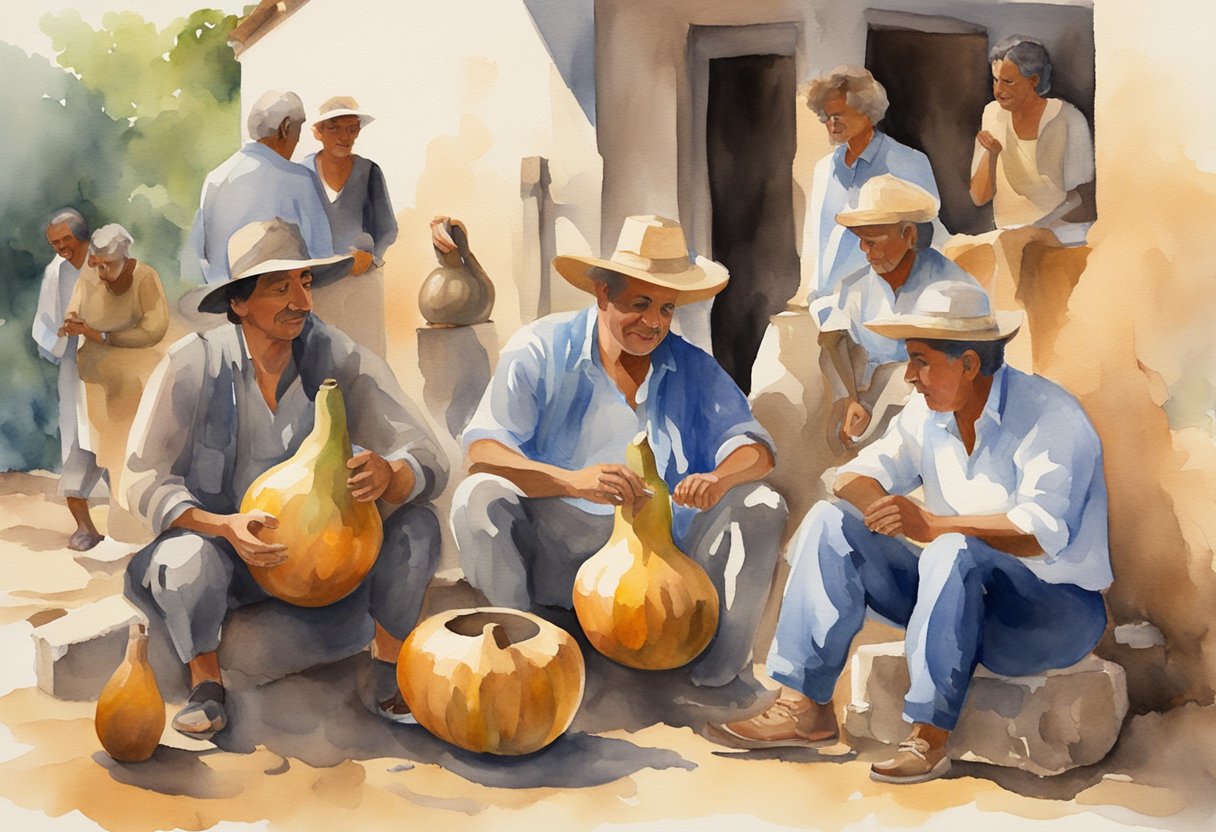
point(114, 373)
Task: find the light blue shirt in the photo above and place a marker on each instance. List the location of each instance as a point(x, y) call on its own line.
point(552, 401)
point(836, 187)
point(255, 183)
point(1037, 460)
point(864, 296)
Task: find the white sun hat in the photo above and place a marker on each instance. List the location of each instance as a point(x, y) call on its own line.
point(887, 199)
point(342, 105)
point(950, 311)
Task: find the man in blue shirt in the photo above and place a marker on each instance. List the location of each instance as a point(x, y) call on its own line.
point(1013, 522)
point(546, 446)
point(257, 183)
point(863, 367)
point(849, 101)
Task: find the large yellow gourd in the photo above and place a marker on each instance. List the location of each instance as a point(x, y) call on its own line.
point(492, 680)
point(332, 539)
point(130, 711)
point(640, 600)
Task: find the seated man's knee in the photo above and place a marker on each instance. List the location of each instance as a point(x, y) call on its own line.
point(947, 553)
point(480, 500)
point(413, 529)
point(824, 524)
point(759, 503)
point(178, 560)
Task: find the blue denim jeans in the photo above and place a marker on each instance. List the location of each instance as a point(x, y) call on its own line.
point(962, 601)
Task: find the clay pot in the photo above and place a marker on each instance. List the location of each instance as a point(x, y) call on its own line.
point(130, 711)
point(459, 292)
point(640, 600)
point(332, 539)
point(492, 680)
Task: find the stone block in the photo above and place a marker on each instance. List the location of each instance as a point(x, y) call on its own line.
point(271, 639)
point(75, 655)
point(1046, 724)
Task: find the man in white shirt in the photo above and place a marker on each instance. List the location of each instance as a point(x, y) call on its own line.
point(1014, 527)
point(68, 234)
point(889, 221)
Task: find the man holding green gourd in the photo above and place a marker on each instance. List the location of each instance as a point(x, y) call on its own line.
point(229, 403)
point(547, 445)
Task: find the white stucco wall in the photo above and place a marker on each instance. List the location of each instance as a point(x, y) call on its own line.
point(460, 97)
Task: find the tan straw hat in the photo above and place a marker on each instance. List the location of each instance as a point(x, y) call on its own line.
point(950, 311)
point(261, 247)
point(651, 249)
point(886, 199)
point(342, 105)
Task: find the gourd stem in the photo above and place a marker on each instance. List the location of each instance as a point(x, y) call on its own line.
point(137, 643)
point(498, 633)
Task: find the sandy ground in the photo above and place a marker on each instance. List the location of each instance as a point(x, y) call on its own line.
point(634, 759)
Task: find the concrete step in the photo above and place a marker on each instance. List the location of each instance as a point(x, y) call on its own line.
point(75, 654)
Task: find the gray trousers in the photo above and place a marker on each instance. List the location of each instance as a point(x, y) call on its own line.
point(193, 580)
point(519, 551)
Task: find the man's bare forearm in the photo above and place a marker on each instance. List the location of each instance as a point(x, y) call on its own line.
point(535, 479)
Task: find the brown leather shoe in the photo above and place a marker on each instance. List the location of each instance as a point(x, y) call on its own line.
point(786, 723)
point(917, 761)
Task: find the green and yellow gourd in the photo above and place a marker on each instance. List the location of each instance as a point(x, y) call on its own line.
point(640, 600)
point(332, 539)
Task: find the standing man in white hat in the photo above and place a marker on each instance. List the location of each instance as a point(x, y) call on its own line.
point(258, 182)
point(1014, 528)
point(861, 366)
point(228, 404)
point(547, 445)
point(355, 196)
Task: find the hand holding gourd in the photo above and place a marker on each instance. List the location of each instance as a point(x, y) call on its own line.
point(241, 530)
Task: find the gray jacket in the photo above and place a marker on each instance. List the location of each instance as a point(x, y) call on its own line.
point(186, 447)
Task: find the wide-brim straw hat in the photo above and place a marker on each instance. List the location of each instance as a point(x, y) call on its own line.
point(651, 249)
point(342, 105)
point(262, 247)
point(886, 199)
point(950, 311)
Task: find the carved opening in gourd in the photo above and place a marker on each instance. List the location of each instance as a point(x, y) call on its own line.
point(506, 629)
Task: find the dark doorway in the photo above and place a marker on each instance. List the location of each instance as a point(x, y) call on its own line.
point(749, 144)
point(938, 84)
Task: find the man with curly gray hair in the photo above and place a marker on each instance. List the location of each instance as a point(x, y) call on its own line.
point(850, 102)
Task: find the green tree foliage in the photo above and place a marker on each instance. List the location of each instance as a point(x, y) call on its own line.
point(124, 130)
point(178, 91)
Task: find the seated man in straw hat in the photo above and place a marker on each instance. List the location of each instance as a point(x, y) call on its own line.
point(890, 220)
point(547, 445)
point(226, 405)
point(1013, 524)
